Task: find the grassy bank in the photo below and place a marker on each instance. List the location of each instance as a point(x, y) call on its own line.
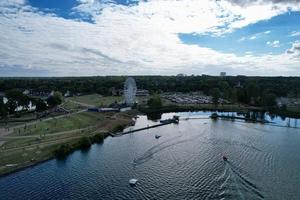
point(57, 137)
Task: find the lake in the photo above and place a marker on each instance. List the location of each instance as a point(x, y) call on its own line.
point(184, 163)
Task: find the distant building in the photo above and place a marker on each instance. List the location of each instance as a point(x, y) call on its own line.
point(39, 93)
point(181, 75)
point(125, 109)
point(223, 74)
point(282, 101)
point(114, 92)
point(67, 94)
point(239, 85)
point(142, 93)
point(26, 92)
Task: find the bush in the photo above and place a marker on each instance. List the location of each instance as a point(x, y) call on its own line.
point(118, 128)
point(155, 102)
point(98, 138)
point(84, 143)
point(63, 151)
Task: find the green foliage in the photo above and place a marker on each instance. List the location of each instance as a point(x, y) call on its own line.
point(40, 105)
point(84, 143)
point(268, 99)
point(98, 138)
point(16, 98)
point(241, 95)
point(54, 99)
point(252, 93)
point(118, 128)
point(215, 93)
point(3, 108)
point(155, 102)
point(249, 89)
point(62, 151)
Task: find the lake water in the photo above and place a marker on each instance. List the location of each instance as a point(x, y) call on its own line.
point(184, 163)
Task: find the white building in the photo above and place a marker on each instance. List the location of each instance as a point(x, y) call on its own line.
point(223, 74)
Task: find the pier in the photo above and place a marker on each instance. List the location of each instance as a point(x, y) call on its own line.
point(174, 120)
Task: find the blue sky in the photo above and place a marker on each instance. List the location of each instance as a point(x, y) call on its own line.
point(132, 37)
point(253, 38)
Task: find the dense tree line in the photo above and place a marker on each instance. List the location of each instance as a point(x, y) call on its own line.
point(15, 98)
point(240, 89)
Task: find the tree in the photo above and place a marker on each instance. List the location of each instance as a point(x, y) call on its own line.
point(15, 99)
point(241, 95)
point(55, 99)
point(252, 92)
point(225, 89)
point(215, 93)
point(40, 105)
point(269, 100)
point(233, 96)
point(3, 108)
point(155, 102)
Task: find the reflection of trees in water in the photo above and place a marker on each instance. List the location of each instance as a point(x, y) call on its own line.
point(154, 116)
point(256, 115)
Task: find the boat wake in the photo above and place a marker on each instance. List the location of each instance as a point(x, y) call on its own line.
point(148, 155)
point(236, 185)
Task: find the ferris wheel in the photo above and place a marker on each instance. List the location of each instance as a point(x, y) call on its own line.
point(130, 91)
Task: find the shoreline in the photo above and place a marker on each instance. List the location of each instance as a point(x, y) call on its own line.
point(73, 143)
point(154, 112)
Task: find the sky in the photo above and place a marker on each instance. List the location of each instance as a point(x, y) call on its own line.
point(149, 37)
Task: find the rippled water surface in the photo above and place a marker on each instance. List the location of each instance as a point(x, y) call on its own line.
point(184, 163)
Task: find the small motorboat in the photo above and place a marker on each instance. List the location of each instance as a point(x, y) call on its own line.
point(225, 158)
point(133, 181)
point(157, 136)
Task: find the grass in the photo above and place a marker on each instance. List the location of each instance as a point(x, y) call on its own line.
point(76, 121)
point(32, 147)
point(71, 106)
point(96, 99)
point(36, 142)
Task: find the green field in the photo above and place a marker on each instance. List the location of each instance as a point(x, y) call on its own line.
point(71, 106)
point(76, 121)
point(96, 99)
point(37, 142)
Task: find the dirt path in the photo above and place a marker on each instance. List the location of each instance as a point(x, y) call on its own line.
point(52, 142)
point(4, 131)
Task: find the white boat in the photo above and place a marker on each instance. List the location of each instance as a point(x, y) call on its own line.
point(133, 181)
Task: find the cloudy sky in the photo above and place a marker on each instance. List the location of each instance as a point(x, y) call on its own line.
point(149, 37)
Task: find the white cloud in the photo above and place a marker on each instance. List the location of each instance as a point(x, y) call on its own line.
point(255, 36)
point(242, 39)
point(140, 39)
point(295, 33)
point(251, 2)
point(275, 43)
point(295, 49)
